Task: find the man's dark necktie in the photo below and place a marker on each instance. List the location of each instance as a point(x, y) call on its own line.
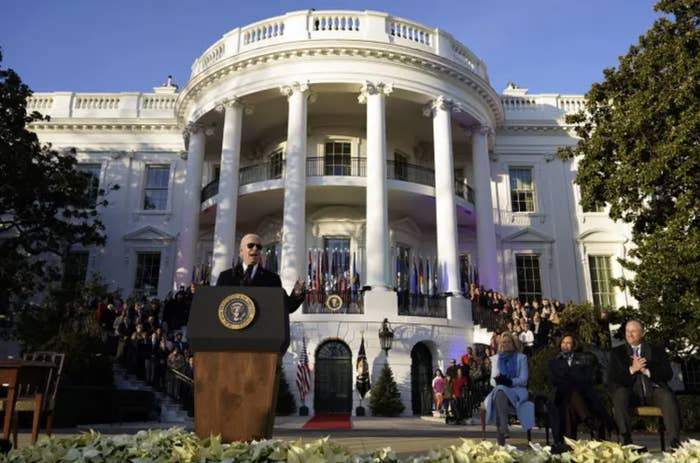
point(643, 378)
point(248, 276)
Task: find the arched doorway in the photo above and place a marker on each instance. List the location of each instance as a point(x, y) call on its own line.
point(421, 379)
point(333, 378)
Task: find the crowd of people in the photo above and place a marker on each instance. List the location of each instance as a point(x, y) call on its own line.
point(146, 336)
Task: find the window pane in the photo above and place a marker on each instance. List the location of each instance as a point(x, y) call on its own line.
point(337, 158)
point(155, 195)
point(522, 189)
point(276, 165)
point(147, 273)
point(528, 274)
point(603, 293)
point(93, 170)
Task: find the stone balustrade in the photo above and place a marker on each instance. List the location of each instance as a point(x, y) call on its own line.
point(309, 25)
point(547, 105)
point(104, 105)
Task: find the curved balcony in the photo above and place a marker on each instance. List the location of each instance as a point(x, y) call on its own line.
point(311, 25)
point(355, 167)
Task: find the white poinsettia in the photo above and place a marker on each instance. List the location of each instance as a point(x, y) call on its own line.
point(688, 452)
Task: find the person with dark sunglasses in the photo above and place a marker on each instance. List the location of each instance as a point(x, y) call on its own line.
point(250, 272)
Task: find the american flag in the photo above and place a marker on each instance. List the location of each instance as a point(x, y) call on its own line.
point(303, 372)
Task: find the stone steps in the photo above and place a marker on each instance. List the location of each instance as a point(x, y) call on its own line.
point(170, 410)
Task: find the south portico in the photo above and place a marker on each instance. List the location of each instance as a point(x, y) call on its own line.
point(442, 111)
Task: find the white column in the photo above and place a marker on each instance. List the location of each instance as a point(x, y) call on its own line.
point(190, 207)
point(227, 204)
point(294, 217)
point(445, 210)
point(485, 229)
point(377, 228)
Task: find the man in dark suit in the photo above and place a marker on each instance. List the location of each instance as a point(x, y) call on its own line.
point(249, 272)
point(638, 375)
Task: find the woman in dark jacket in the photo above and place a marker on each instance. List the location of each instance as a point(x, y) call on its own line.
point(573, 398)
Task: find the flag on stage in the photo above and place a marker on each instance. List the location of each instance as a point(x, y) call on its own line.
point(362, 371)
point(303, 372)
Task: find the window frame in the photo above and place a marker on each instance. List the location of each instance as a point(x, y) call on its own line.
point(94, 189)
point(135, 288)
point(532, 191)
point(345, 166)
point(146, 188)
point(538, 258)
point(594, 282)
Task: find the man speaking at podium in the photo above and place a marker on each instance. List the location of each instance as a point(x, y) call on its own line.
point(249, 272)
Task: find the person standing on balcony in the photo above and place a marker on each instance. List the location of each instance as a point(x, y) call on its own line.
point(250, 272)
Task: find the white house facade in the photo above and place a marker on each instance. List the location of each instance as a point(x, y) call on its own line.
point(374, 159)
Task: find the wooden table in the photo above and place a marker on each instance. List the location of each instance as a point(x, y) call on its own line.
point(23, 375)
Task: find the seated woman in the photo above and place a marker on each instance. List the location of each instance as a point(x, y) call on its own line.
point(572, 398)
point(509, 376)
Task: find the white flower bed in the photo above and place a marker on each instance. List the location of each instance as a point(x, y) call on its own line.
point(177, 446)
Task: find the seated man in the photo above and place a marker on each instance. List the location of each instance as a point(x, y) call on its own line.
point(509, 376)
point(572, 398)
point(638, 375)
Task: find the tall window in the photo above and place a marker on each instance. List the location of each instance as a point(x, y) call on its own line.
point(529, 280)
point(93, 170)
point(155, 196)
point(337, 158)
point(400, 166)
point(276, 164)
point(601, 281)
point(147, 273)
point(522, 189)
point(75, 268)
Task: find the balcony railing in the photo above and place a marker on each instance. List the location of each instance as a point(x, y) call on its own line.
point(319, 167)
point(261, 172)
point(356, 167)
point(410, 173)
point(419, 305)
point(463, 190)
point(333, 302)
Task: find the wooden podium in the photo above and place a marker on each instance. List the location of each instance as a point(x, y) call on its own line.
point(238, 335)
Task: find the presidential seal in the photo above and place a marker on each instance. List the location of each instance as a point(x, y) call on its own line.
point(334, 302)
point(236, 311)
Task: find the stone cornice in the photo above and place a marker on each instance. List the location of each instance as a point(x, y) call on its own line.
point(102, 125)
point(366, 50)
point(535, 129)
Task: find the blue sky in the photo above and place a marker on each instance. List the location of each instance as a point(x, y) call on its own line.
point(548, 46)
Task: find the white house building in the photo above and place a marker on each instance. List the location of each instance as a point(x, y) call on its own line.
point(356, 144)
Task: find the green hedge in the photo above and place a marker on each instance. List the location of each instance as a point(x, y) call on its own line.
point(177, 446)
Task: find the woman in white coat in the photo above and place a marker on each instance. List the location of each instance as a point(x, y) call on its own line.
point(509, 376)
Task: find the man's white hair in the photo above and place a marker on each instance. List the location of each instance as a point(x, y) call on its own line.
point(249, 235)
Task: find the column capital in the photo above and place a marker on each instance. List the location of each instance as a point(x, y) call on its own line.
point(302, 87)
point(478, 129)
point(234, 102)
point(440, 103)
point(190, 129)
point(374, 88)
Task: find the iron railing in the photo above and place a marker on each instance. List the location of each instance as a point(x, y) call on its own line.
point(421, 305)
point(319, 166)
point(356, 167)
point(321, 301)
point(410, 173)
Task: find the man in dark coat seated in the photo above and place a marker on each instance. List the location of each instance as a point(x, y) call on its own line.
point(249, 272)
point(639, 375)
point(573, 398)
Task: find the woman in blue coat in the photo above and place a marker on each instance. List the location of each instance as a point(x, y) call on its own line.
point(509, 375)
